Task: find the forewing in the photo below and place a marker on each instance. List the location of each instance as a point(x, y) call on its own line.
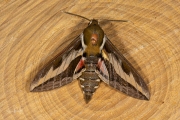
point(121, 74)
point(59, 71)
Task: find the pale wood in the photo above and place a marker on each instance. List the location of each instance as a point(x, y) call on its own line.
point(32, 31)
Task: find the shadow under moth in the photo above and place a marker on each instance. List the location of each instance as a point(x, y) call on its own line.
point(91, 58)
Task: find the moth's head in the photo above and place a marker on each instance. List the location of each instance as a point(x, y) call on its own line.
point(93, 22)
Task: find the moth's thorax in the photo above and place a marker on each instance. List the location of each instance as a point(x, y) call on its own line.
point(93, 38)
point(89, 79)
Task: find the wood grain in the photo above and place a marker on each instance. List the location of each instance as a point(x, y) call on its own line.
point(32, 32)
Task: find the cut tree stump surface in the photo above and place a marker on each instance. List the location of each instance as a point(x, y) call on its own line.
point(33, 32)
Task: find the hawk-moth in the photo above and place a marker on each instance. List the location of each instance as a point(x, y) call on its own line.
point(91, 58)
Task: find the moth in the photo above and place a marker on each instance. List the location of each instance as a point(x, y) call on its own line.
point(91, 58)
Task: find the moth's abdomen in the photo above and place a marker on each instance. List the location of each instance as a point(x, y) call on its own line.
point(89, 80)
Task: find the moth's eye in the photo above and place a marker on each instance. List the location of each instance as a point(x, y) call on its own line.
point(90, 22)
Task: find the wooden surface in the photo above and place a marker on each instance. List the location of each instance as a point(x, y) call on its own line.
point(32, 32)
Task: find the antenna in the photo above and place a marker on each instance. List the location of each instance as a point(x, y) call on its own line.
point(114, 20)
point(76, 15)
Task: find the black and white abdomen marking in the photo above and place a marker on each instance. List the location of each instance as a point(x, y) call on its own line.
point(89, 80)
